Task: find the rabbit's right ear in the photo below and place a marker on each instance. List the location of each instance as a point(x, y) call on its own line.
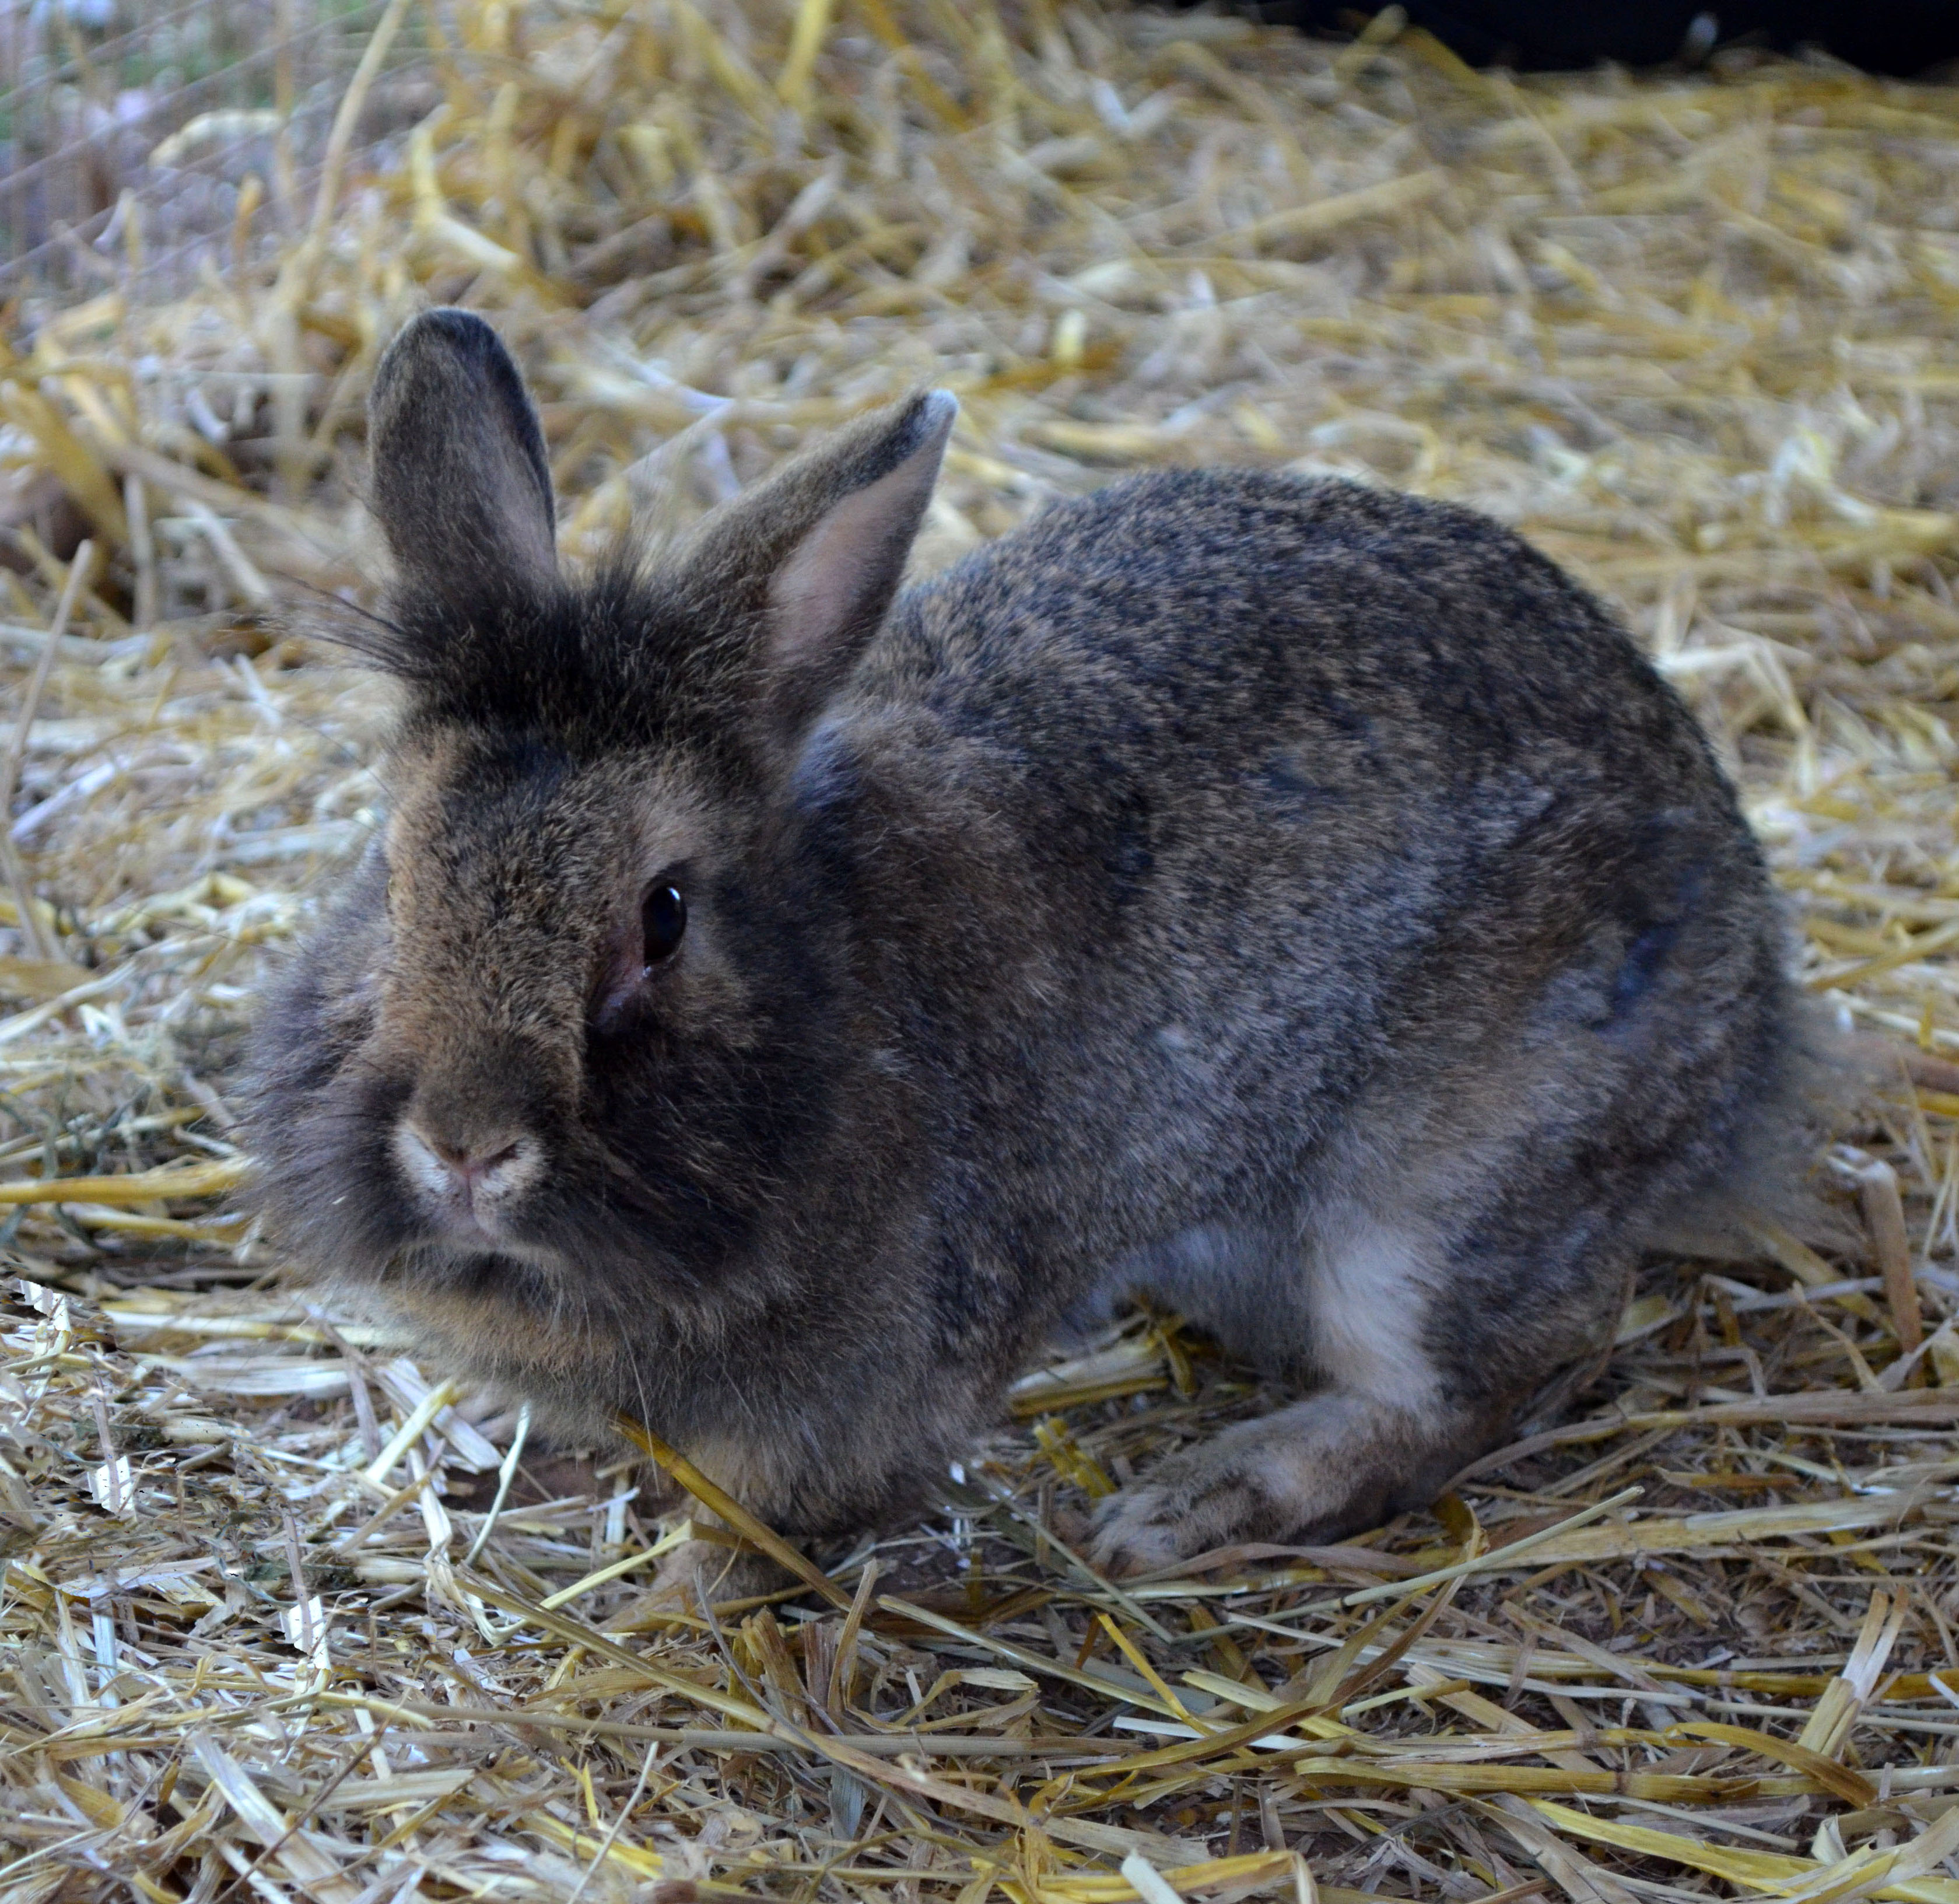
point(461, 484)
point(815, 553)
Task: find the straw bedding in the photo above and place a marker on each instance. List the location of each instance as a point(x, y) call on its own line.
point(285, 1615)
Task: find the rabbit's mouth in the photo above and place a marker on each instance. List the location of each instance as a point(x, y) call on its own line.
point(506, 1265)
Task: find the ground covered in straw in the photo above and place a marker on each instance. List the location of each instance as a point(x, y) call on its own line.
point(264, 1631)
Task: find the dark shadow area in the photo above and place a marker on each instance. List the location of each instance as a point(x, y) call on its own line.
point(1904, 38)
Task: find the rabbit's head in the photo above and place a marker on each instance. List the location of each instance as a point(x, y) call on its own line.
point(574, 1023)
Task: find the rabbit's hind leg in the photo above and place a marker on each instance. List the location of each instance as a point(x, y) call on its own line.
point(1426, 1338)
point(1385, 1431)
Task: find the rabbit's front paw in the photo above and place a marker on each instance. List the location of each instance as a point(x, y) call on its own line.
point(698, 1570)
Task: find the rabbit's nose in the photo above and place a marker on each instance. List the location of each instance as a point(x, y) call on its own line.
point(479, 1168)
point(470, 1176)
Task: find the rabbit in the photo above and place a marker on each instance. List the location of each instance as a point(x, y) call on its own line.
point(775, 1002)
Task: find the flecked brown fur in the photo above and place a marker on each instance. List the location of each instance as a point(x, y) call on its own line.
point(1297, 902)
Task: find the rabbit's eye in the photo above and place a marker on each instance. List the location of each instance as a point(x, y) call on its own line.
point(663, 920)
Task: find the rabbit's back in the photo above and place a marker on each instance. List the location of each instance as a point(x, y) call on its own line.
point(1246, 728)
point(1318, 789)
point(1189, 618)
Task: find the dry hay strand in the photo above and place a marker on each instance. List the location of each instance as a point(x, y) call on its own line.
point(286, 1615)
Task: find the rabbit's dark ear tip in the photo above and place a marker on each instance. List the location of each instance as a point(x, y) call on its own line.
point(454, 326)
point(937, 411)
point(461, 333)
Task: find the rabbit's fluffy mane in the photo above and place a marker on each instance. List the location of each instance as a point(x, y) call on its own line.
point(636, 657)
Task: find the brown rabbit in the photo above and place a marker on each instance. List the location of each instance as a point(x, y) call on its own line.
point(772, 1004)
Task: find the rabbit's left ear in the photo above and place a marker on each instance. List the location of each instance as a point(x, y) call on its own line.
point(818, 550)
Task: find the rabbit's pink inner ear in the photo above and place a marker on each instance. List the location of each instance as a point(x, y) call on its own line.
point(839, 570)
point(831, 591)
